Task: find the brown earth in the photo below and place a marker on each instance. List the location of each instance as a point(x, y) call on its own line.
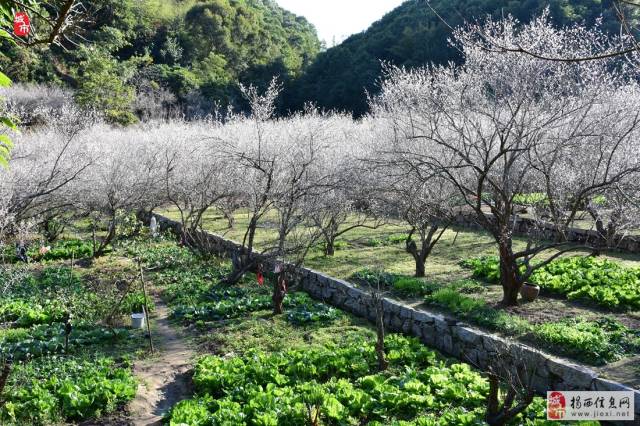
point(165, 377)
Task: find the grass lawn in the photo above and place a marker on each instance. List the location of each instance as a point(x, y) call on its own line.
point(443, 265)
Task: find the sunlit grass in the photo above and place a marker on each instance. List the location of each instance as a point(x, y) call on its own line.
point(443, 264)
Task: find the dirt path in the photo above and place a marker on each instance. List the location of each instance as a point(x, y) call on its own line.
point(164, 377)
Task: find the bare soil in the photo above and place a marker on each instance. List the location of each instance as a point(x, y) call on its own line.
point(165, 377)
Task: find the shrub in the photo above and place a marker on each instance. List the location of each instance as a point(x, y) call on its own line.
point(410, 286)
point(337, 245)
point(531, 199)
point(64, 249)
point(162, 256)
point(134, 303)
point(397, 238)
point(374, 242)
point(455, 302)
point(389, 240)
point(373, 277)
point(401, 284)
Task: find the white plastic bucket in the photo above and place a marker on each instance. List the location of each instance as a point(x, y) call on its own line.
point(137, 320)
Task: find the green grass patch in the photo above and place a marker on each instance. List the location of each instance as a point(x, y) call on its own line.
point(594, 342)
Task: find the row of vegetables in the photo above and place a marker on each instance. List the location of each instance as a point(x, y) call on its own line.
point(332, 384)
point(66, 364)
point(338, 386)
point(597, 280)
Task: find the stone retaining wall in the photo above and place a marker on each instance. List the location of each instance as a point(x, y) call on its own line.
point(449, 336)
point(523, 227)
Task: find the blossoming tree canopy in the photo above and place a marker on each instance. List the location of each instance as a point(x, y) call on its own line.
point(504, 124)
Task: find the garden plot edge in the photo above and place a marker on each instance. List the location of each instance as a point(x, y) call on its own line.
point(449, 336)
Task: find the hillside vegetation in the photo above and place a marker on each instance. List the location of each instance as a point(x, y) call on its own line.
point(413, 35)
point(168, 53)
point(161, 57)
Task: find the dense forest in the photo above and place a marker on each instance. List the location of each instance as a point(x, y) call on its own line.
point(150, 57)
point(133, 55)
point(413, 35)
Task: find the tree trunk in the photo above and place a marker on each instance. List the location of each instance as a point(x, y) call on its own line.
point(4, 375)
point(230, 220)
point(501, 413)
point(111, 234)
point(252, 234)
point(238, 271)
point(493, 405)
point(330, 248)
point(509, 275)
point(418, 256)
point(279, 292)
point(383, 364)
point(602, 237)
point(52, 230)
point(420, 267)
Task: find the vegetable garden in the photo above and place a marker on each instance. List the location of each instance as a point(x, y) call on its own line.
point(109, 314)
point(313, 365)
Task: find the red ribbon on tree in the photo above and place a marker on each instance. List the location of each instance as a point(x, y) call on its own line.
point(21, 24)
point(259, 275)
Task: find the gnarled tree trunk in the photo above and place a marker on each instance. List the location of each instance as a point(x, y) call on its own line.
point(330, 247)
point(510, 278)
point(279, 292)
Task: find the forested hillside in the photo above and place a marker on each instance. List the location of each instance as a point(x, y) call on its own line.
point(140, 58)
point(414, 35)
point(181, 53)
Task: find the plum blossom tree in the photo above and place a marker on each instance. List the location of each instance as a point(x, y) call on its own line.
point(625, 46)
point(306, 174)
point(196, 174)
point(615, 212)
point(282, 165)
point(509, 124)
point(589, 166)
point(424, 199)
point(253, 145)
point(346, 202)
point(48, 159)
point(123, 178)
point(428, 207)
